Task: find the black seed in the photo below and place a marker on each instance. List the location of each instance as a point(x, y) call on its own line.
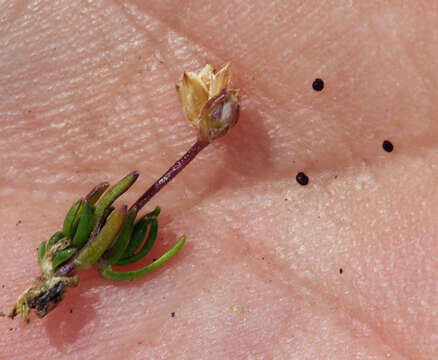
point(387, 146)
point(341, 271)
point(154, 259)
point(172, 314)
point(71, 311)
point(302, 179)
point(318, 85)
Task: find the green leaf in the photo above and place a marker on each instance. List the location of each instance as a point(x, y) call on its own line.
point(96, 193)
point(139, 232)
point(41, 251)
point(68, 228)
point(137, 237)
point(113, 193)
point(55, 238)
point(62, 256)
point(154, 213)
point(108, 273)
point(146, 246)
point(95, 248)
point(122, 239)
point(84, 226)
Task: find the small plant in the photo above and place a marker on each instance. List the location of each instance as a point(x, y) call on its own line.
point(95, 233)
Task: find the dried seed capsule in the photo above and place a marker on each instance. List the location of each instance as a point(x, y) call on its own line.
point(208, 103)
point(219, 115)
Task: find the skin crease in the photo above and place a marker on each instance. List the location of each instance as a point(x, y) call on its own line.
point(87, 95)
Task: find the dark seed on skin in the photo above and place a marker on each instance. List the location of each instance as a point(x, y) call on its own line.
point(172, 314)
point(387, 146)
point(341, 271)
point(318, 85)
point(153, 260)
point(71, 311)
point(302, 179)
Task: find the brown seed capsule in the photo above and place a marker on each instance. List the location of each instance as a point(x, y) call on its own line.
point(208, 103)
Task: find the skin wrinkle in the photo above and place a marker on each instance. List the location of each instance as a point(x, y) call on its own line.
point(323, 299)
point(164, 145)
point(224, 191)
point(323, 296)
point(182, 32)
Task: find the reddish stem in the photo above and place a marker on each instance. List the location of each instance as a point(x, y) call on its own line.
point(171, 173)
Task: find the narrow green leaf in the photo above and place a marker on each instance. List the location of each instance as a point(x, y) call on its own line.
point(84, 226)
point(113, 193)
point(62, 256)
point(146, 246)
point(139, 232)
point(96, 193)
point(41, 251)
point(68, 228)
point(55, 238)
point(137, 236)
point(122, 239)
point(108, 273)
point(155, 212)
point(94, 249)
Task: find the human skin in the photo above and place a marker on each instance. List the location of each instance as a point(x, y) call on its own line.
point(87, 95)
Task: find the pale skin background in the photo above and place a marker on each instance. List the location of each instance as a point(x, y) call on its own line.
point(87, 95)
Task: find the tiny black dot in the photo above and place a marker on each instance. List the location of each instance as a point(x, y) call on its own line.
point(172, 314)
point(71, 311)
point(154, 259)
point(302, 179)
point(387, 146)
point(318, 85)
point(341, 271)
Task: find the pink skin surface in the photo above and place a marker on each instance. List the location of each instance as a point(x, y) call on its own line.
point(88, 94)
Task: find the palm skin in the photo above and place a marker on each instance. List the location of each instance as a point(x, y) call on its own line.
point(89, 95)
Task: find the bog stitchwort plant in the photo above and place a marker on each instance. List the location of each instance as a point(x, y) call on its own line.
point(95, 233)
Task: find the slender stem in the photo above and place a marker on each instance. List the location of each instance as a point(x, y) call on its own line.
point(171, 173)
